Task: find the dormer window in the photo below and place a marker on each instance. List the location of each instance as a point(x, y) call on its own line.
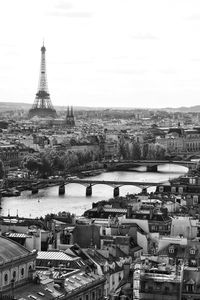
point(171, 249)
point(192, 251)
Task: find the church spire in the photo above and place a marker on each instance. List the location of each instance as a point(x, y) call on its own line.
point(70, 122)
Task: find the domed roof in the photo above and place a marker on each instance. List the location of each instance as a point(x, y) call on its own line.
point(10, 250)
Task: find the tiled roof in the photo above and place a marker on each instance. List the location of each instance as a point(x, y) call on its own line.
point(46, 292)
point(55, 255)
point(79, 280)
point(17, 235)
point(111, 210)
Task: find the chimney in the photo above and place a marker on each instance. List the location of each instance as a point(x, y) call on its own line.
point(151, 213)
point(129, 212)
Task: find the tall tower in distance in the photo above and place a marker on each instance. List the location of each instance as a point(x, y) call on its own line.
point(42, 106)
point(70, 122)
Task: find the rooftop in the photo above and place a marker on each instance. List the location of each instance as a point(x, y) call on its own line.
point(55, 255)
point(10, 250)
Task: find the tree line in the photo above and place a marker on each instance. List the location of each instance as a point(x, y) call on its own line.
point(52, 162)
point(137, 151)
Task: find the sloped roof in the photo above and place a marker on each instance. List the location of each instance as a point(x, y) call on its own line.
point(55, 255)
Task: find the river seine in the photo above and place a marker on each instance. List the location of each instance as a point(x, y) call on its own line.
point(75, 201)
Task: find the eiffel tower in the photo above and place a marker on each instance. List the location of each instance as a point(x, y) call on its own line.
point(42, 106)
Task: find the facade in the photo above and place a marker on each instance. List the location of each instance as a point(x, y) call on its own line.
point(178, 141)
point(159, 281)
point(12, 154)
point(16, 268)
point(191, 279)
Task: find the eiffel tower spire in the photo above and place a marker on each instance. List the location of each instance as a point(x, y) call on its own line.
point(42, 106)
point(68, 114)
point(72, 113)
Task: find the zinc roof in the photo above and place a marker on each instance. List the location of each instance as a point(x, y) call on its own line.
point(55, 255)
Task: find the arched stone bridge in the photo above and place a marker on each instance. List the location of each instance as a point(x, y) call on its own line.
point(62, 182)
point(151, 165)
point(115, 184)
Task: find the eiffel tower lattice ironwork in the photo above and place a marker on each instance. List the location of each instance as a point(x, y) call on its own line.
point(42, 106)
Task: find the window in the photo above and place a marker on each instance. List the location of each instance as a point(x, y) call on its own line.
point(22, 272)
point(173, 189)
point(180, 189)
point(190, 287)
point(192, 251)
point(195, 199)
point(193, 262)
point(14, 274)
point(166, 289)
point(6, 278)
point(99, 292)
point(171, 249)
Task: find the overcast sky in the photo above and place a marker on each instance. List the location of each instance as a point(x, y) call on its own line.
point(130, 53)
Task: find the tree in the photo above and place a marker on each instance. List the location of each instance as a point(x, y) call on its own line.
point(31, 162)
point(156, 152)
point(136, 151)
point(144, 150)
point(44, 167)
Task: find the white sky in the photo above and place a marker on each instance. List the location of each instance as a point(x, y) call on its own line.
point(129, 53)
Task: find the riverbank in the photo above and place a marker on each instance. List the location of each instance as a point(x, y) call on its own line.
point(47, 200)
point(14, 186)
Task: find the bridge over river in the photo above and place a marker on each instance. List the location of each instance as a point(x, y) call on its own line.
point(35, 185)
point(115, 184)
point(151, 165)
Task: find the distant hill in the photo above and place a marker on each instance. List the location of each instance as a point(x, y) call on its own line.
point(13, 106)
point(6, 106)
point(183, 109)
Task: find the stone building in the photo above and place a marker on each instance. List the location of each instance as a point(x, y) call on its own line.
point(17, 265)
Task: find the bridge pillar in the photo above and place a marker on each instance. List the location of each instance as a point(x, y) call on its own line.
point(89, 190)
point(144, 191)
point(61, 190)
point(116, 192)
point(34, 190)
point(152, 168)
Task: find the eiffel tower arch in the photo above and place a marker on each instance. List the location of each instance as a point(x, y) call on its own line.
point(42, 106)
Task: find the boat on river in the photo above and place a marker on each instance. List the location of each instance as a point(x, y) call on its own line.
point(10, 192)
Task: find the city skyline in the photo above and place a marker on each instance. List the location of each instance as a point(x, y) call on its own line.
point(140, 54)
